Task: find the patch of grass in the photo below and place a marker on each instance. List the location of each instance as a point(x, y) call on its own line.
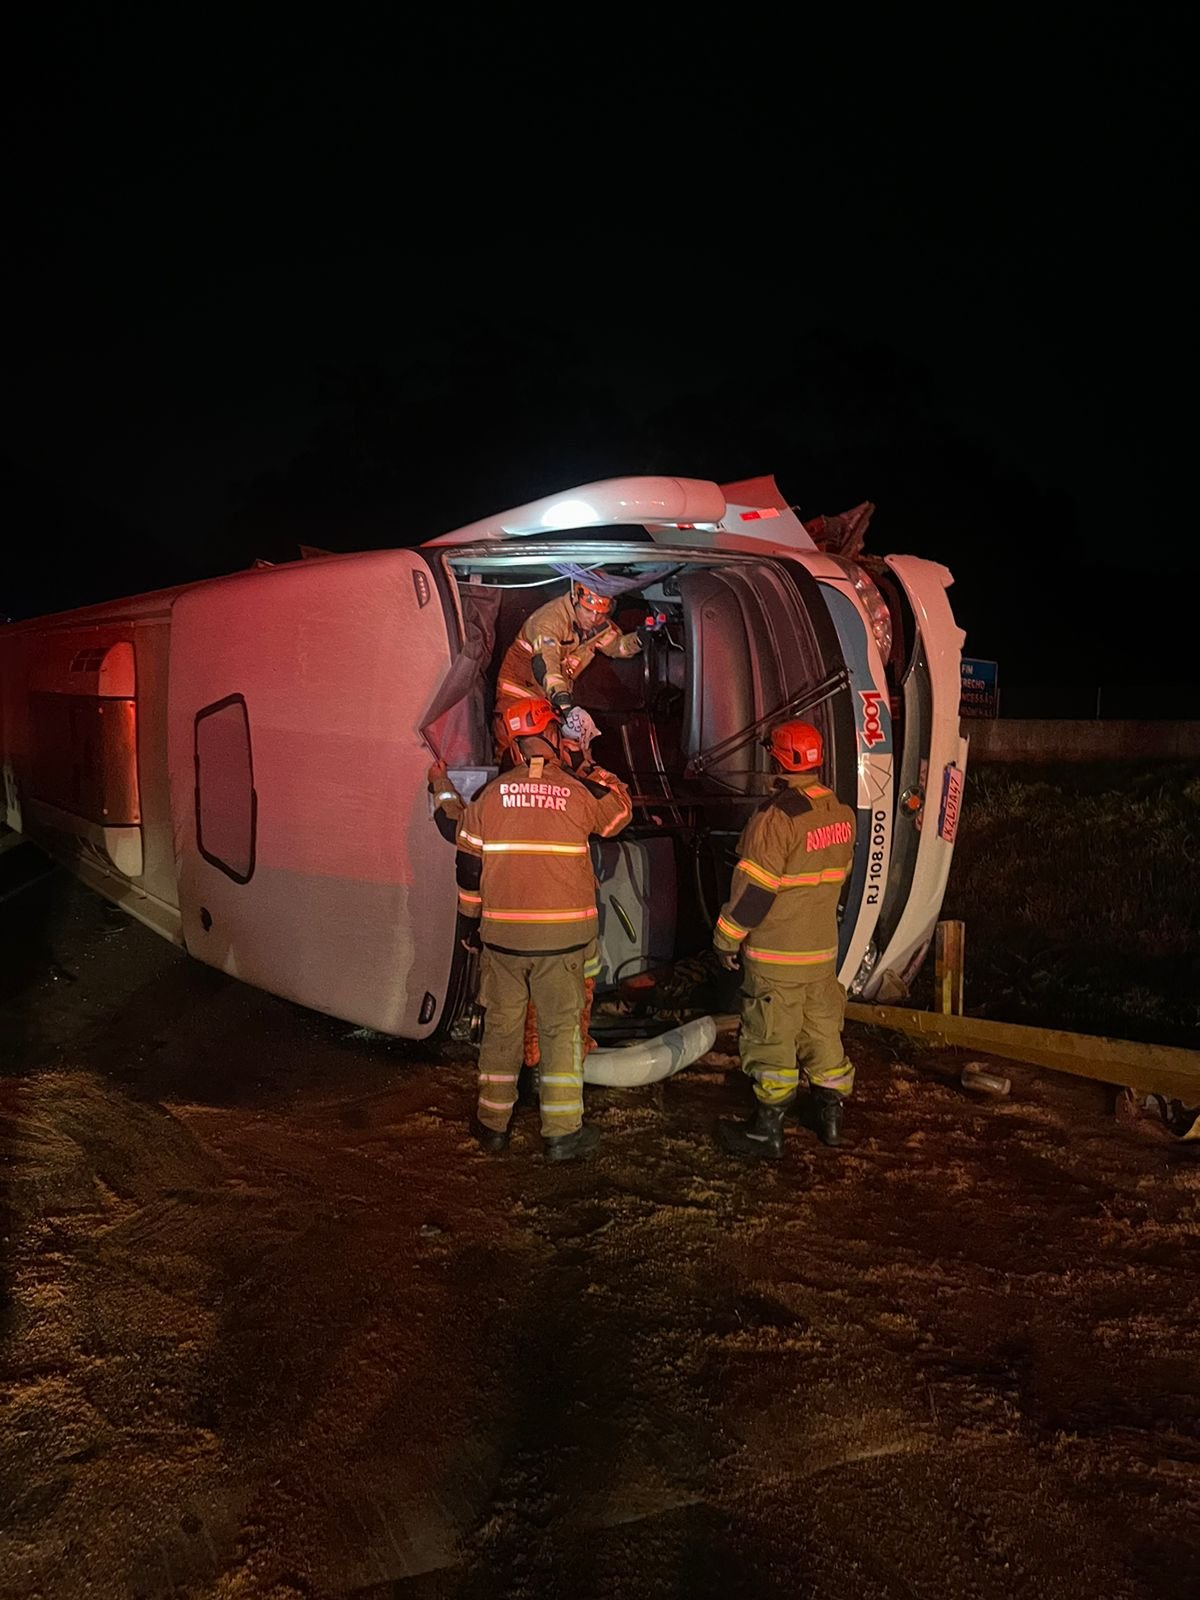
point(1079, 889)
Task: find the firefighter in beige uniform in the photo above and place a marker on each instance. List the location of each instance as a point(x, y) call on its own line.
point(577, 734)
point(525, 879)
point(557, 644)
point(781, 919)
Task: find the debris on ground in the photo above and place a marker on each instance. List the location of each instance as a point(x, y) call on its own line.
point(276, 1327)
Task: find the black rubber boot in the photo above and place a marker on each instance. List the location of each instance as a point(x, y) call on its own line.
point(760, 1137)
point(494, 1143)
point(827, 1115)
point(577, 1146)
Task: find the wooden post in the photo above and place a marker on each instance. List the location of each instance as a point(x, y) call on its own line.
point(948, 973)
point(1156, 1068)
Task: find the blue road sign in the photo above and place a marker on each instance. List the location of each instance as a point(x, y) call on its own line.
point(980, 689)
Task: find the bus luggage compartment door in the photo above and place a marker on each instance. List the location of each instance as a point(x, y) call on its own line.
point(308, 864)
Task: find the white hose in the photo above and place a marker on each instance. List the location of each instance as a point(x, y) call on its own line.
point(654, 1059)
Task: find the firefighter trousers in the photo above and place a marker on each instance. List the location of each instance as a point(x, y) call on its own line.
point(555, 986)
point(591, 969)
point(789, 1028)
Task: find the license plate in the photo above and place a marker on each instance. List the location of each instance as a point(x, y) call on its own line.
point(952, 787)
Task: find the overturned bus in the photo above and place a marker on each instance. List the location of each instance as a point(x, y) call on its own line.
point(241, 763)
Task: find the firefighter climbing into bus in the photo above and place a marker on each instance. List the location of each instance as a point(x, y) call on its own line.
point(558, 643)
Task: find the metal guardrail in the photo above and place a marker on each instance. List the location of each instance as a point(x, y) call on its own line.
point(1038, 739)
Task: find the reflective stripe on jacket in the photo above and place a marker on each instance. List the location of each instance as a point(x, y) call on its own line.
point(548, 654)
point(524, 864)
point(793, 859)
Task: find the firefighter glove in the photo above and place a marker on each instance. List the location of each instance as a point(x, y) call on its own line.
point(652, 625)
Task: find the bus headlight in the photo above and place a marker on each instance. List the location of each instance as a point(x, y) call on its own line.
point(869, 592)
point(877, 610)
point(866, 968)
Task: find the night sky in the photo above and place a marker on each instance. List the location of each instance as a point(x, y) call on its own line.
point(269, 287)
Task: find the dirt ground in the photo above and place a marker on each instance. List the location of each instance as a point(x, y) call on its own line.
point(275, 1328)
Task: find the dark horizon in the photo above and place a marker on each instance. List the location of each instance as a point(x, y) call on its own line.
point(237, 332)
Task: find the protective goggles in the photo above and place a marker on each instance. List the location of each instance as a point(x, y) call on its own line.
point(589, 600)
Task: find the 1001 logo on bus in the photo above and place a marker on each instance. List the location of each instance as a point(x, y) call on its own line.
point(872, 728)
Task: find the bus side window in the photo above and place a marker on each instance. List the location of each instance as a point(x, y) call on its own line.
point(226, 804)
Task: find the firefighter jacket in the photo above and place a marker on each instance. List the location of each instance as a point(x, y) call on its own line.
point(794, 855)
point(524, 864)
point(549, 653)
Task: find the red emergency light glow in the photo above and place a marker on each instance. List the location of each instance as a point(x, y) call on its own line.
point(756, 516)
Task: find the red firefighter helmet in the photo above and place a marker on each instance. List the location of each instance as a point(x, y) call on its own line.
point(525, 718)
point(797, 746)
point(581, 595)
